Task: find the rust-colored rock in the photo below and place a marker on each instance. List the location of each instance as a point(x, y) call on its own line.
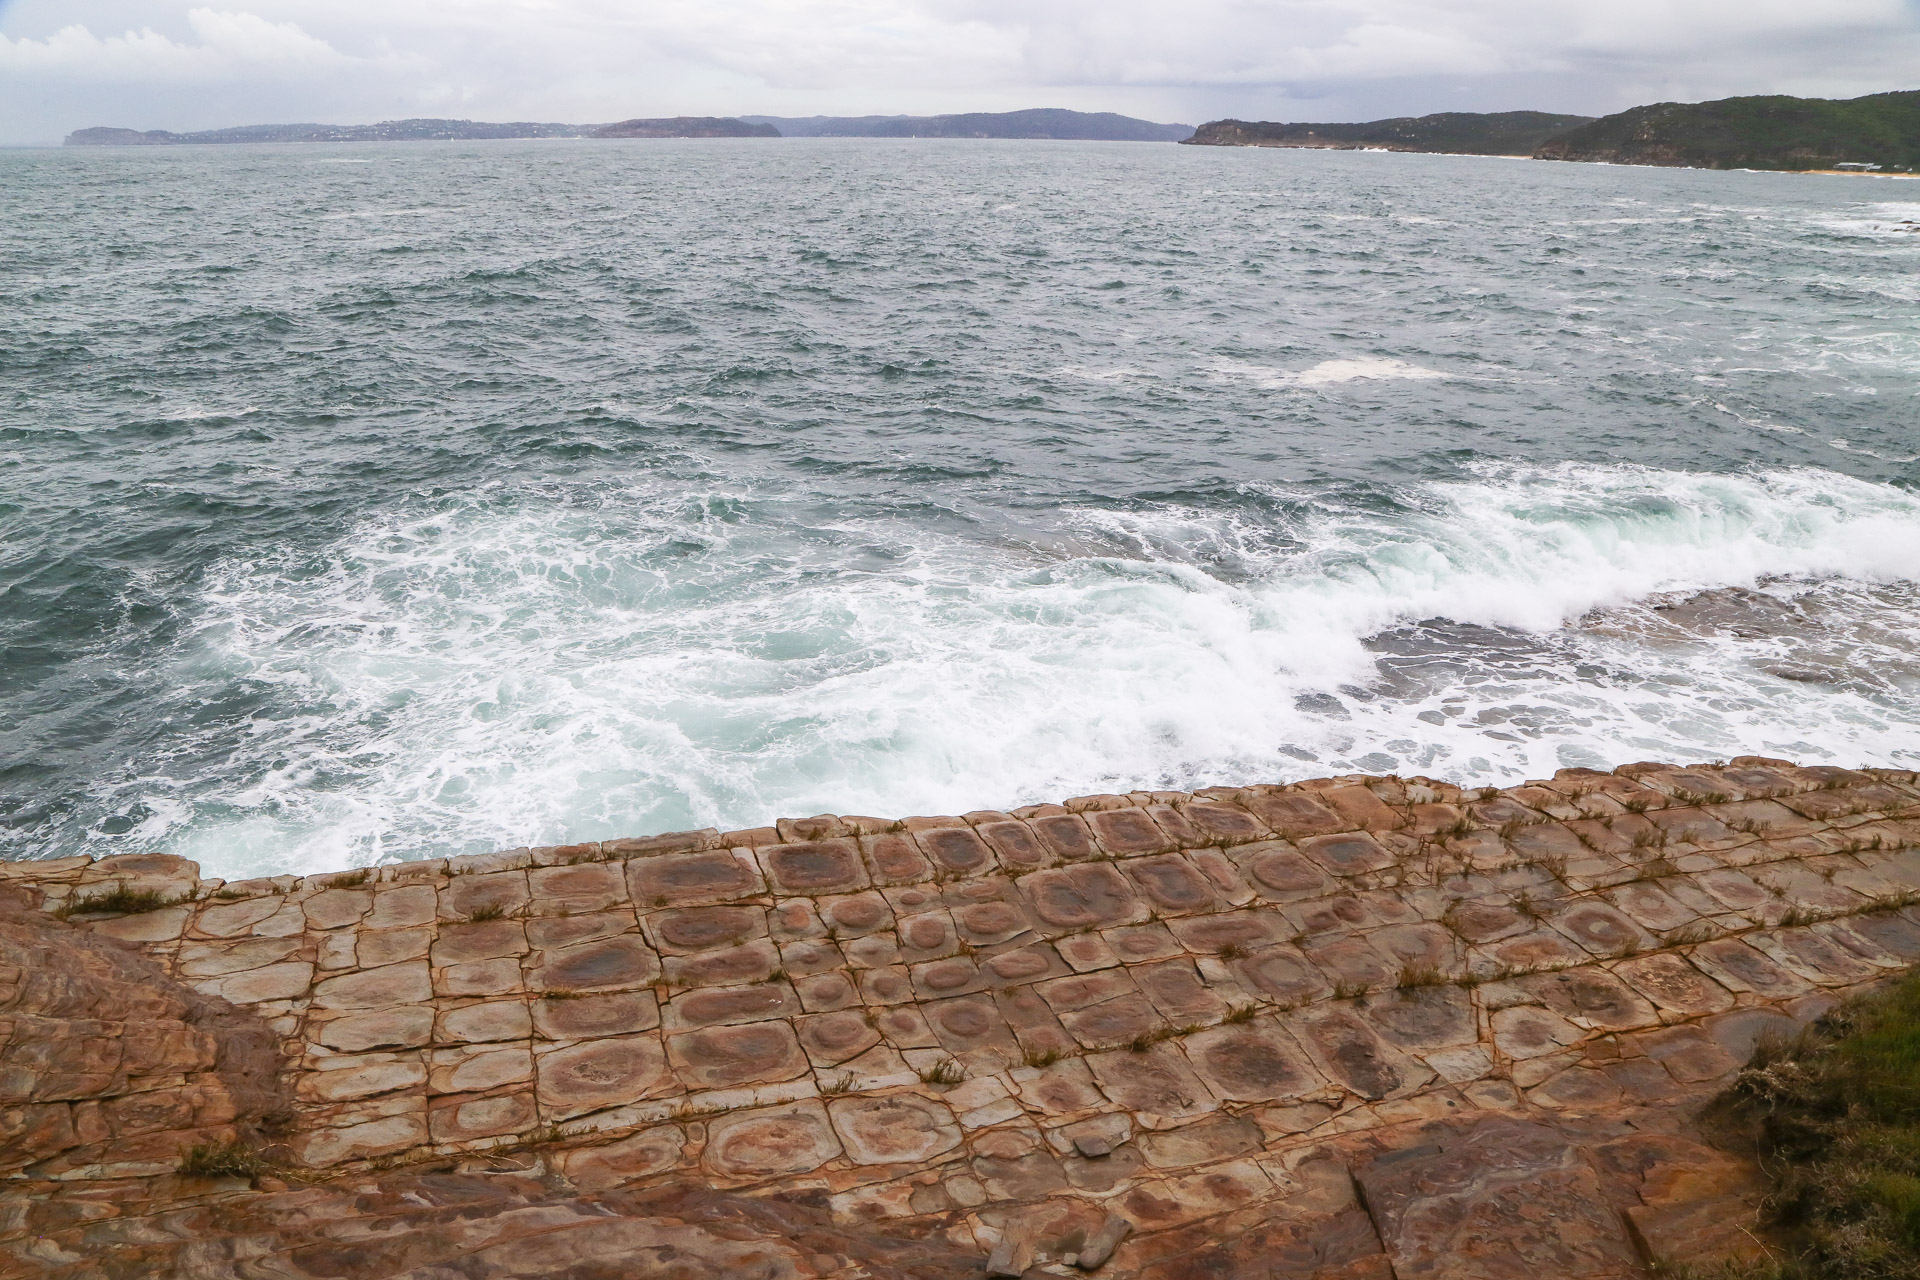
point(1159, 1035)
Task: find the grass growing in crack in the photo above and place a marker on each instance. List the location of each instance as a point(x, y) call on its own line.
point(1419, 975)
point(945, 1071)
point(845, 1082)
point(1344, 990)
point(487, 911)
point(351, 880)
point(233, 1159)
point(538, 1138)
point(1688, 935)
point(1834, 1117)
point(119, 899)
point(1037, 1058)
point(1241, 1013)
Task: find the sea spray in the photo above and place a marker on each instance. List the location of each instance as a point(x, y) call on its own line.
point(465, 498)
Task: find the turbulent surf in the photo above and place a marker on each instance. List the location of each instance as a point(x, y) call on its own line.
point(377, 502)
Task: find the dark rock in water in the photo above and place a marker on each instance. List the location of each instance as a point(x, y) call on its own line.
point(1504, 133)
point(686, 127)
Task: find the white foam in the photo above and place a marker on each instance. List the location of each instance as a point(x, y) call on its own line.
point(535, 669)
point(1329, 372)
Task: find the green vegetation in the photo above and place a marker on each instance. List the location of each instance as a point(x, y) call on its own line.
point(1769, 132)
point(119, 899)
point(1834, 1117)
point(945, 1071)
point(1502, 133)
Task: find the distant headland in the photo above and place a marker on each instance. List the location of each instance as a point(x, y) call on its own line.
point(1039, 123)
point(1876, 133)
point(1504, 133)
point(425, 131)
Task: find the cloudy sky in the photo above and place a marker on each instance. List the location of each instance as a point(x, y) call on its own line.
point(170, 64)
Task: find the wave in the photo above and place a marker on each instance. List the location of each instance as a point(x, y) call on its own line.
point(1330, 373)
point(506, 670)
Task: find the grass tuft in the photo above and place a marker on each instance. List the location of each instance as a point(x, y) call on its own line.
point(119, 900)
point(1834, 1117)
point(1419, 975)
point(221, 1160)
point(945, 1071)
point(487, 911)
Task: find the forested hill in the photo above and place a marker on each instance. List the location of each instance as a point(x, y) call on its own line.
point(1501, 133)
point(1768, 132)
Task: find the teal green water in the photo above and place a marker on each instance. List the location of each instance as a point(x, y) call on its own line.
point(367, 502)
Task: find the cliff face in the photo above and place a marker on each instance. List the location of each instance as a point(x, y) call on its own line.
point(1355, 1027)
point(1508, 133)
point(1775, 132)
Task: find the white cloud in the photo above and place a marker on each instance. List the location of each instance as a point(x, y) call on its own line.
point(224, 44)
point(248, 38)
point(606, 59)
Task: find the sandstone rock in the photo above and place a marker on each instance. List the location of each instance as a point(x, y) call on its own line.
point(893, 1130)
point(1033, 1020)
point(773, 1141)
point(626, 1159)
point(591, 1017)
point(596, 1074)
point(1502, 1199)
point(383, 988)
point(403, 1028)
point(725, 1057)
point(613, 964)
point(490, 1020)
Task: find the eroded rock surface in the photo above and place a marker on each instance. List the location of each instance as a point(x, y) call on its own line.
point(1355, 1027)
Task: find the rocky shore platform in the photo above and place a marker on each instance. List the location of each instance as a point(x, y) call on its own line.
point(1357, 1027)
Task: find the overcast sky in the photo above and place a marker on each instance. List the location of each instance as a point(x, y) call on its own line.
point(66, 64)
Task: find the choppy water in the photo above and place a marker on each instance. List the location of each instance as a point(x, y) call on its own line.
point(371, 502)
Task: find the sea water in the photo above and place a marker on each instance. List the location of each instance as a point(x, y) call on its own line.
point(372, 502)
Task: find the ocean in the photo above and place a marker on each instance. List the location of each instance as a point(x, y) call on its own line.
point(370, 502)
